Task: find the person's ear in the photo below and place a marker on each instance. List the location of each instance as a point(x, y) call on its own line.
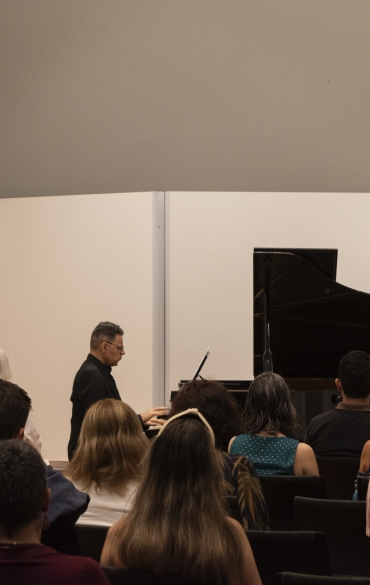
point(103, 347)
point(339, 386)
point(46, 500)
point(20, 435)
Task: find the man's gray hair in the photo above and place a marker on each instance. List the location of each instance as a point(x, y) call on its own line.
point(105, 331)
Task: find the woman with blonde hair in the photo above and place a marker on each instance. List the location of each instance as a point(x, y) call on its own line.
point(107, 462)
point(185, 527)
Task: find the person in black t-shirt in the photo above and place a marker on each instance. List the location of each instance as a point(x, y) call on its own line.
point(94, 380)
point(342, 432)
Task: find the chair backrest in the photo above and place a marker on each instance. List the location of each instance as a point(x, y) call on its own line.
point(276, 551)
point(279, 492)
point(91, 539)
point(362, 485)
point(232, 508)
point(343, 522)
point(339, 475)
point(138, 577)
point(298, 579)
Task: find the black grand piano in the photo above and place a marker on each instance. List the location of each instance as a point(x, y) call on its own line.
point(304, 322)
point(313, 320)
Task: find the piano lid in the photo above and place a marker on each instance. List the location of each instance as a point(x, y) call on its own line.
point(314, 320)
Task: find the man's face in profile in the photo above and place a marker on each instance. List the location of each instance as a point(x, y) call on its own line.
point(113, 351)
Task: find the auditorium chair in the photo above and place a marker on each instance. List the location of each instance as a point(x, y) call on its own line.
point(232, 508)
point(362, 485)
point(343, 522)
point(279, 492)
point(276, 551)
point(138, 577)
point(91, 539)
point(298, 579)
point(339, 475)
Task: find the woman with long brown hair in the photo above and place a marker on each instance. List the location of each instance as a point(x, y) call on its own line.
point(178, 524)
point(220, 410)
point(107, 462)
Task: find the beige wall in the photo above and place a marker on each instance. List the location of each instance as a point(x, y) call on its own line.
point(201, 95)
point(66, 264)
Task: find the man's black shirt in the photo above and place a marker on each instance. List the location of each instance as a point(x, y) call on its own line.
point(341, 432)
point(92, 382)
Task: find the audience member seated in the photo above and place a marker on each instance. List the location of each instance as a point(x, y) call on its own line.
point(24, 502)
point(67, 503)
point(271, 424)
point(31, 436)
point(107, 462)
point(342, 432)
point(222, 413)
point(364, 470)
point(178, 524)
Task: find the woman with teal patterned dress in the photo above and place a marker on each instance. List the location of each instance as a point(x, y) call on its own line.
point(271, 424)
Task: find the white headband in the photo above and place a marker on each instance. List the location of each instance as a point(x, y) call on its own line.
point(185, 413)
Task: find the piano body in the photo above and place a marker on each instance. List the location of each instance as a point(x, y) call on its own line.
point(313, 322)
point(304, 322)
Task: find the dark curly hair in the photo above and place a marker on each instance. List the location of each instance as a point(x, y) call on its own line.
point(215, 403)
point(268, 407)
point(354, 374)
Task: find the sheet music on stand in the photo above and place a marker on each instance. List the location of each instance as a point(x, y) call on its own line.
point(198, 370)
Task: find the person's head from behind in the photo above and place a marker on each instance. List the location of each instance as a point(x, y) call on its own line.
point(354, 375)
point(179, 508)
point(106, 343)
point(24, 497)
point(15, 405)
point(214, 402)
point(182, 464)
point(268, 407)
point(5, 371)
point(111, 447)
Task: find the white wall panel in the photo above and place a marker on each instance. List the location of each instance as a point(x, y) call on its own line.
point(67, 263)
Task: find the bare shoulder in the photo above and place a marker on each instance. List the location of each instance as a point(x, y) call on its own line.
point(248, 572)
point(231, 442)
point(109, 556)
point(365, 458)
point(305, 461)
point(116, 527)
point(366, 447)
point(305, 449)
point(238, 527)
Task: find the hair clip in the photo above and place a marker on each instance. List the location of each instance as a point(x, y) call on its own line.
point(196, 412)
